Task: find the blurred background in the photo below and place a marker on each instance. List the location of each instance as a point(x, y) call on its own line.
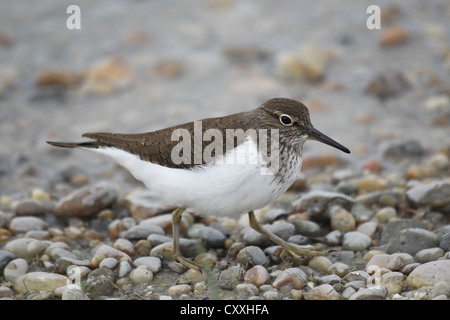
point(140, 65)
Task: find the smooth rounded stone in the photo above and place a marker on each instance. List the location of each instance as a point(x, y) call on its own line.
point(57, 253)
point(14, 269)
point(124, 269)
point(271, 295)
point(392, 228)
point(370, 293)
point(429, 274)
point(39, 281)
point(145, 204)
point(211, 237)
point(26, 248)
point(347, 188)
point(157, 239)
point(252, 256)
point(179, 289)
point(386, 214)
point(358, 275)
point(348, 292)
point(100, 282)
point(322, 292)
point(105, 251)
point(274, 253)
point(306, 228)
point(412, 240)
point(299, 239)
point(109, 263)
point(445, 242)
point(6, 293)
point(32, 207)
point(368, 228)
point(333, 238)
point(142, 274)
point(370, 183)
point(356, 284)
point(257, 275)
point(394, 282)
point(252, 237)
point(25, 224)
point(230, 277)
point(362, 213)
point(74, 292)
point(318, 202)
point(383, 260)
point(5, 258)
point(320, 263)
point(124, 245)
point(356, 241)
point(430, 254)
point(136, 233)
point(342, 220)
point(290, 278)
point(339, 268)
point(117, 226)
point(330, 279)
point(435, 195)
point(246, 290)
point(87, 201)
point(153, 263)
point(151, 227)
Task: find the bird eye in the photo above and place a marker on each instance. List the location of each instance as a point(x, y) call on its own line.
point(286, 120)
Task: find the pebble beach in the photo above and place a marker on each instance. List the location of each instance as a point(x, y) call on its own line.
point(76, 226)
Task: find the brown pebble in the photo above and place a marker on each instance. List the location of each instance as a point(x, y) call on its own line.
point(257, 276)
point(394, 36)
point(4, 235)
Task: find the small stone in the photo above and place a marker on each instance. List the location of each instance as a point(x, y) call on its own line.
point(429, 274)
point(430, 254)
point(87, 201)
point(445, 242)
point(231, 277)
point(254, 238)
point(339, 268)
point(124, 245)
point(342, 220)
point(370, 183)
point(386, 214)
point(212, 238)
point(157, 239)
point(34, 207)
point(20, 248)
point(435, 194)
point(14, 269)
point(333, 238)
point(322, 292)
point(100, 282)
point(394, 282)
point(392, 228)
point(257, 276)
point(39, 281)
point(330, 279)
point(179, 289)
point(152, 262)
point(371, 293)
point(124, 269)
point(109, 263)
point(25, 224)
point(246, 290)
point(417, 172)
point(368, 228)
point(108, 251)
point(291, 278)
point(74, 292)
point(251, 256)
point(356, 241)
point(5, 258)
point(142, 274)
point(402, 149)
point(271, 295)
point(320, 263)
point(145, 204)
point(348, 292)
point(392, 36)
point(6, 292)
point(387, 261)
point(412, 240)
point(306, 228)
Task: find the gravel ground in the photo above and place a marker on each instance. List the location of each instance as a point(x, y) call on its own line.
point(75, 226)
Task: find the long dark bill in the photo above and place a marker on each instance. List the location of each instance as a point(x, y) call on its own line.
point(315, 134)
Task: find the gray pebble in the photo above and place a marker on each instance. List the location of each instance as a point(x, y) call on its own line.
point(330, 279)
point(157, 239)
point(254, 238)
point(14, 269)
point(229, 278)
point(356, 241)
point(136, 233)
point(306, 228)
point(435, 195)
point(74, 293)
point(445, 242)
point(299, 239)
point(25, 224)
point(333, 238)
point(211, 237)
point(251, 256)
point(101, 282)
point(152, 262)
point(390, 229)
point(5, 258)
point(371, 293)
point(412, 240)
point(430, 254)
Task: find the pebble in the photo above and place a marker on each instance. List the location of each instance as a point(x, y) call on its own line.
point(14, 269)
point(306, 228)
point(445, 242)
point(394, 282)
point(392, 228)
point(356, 241)
point(429, 274)
point(25, 224)
point(386, 214)
point(179, 289)
point(6, 293)
point(257, 276)
point(87, 201)
point(322, 292)
point(73, 292)
point(342, 220)
point(392, 36)
point(100, 282)
point(39, 281)
point(430, 254)
point(252, 256)
point(412, 240)
point(26, 248)
point(212, 238)
point(339, 268)
point(230, 277)
point(105, 251)
point(370, 293)
point(254, 238)
point(330, 279)
point(124, 269)
point(434, 194)
point(109, 263)
point(5, 258)
point(291, 278)
point(142, 274)
point(333, 238)
point(152, 262)
point(30, 207)
point(246, 290)
point(320, 263)
point(124, 245)
point(144, 204)
point(368, 228)
point(387, 261)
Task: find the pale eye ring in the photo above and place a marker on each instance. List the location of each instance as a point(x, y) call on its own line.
point(286, 120)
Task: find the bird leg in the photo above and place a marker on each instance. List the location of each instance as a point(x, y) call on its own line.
point(292, 249)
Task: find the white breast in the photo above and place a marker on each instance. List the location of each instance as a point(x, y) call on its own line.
point(231, 186)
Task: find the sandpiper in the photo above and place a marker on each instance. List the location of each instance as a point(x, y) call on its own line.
point(223, 166)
